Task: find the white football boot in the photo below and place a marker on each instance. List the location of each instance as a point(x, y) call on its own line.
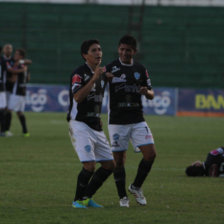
point(138, 193)
point(124, 202)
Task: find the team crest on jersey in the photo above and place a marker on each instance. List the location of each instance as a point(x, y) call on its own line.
point(88, 148)
point(115, 69)
point(116, 136)
point(137, 75)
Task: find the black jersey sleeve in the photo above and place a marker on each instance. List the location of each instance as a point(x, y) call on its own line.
point(214, 157)
point(147, 79)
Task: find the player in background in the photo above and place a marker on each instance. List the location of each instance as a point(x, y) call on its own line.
point(212, 167)
point(20, 76)
point(126, 122)
point(7, 58)
point(87, 86)
point(2, 97)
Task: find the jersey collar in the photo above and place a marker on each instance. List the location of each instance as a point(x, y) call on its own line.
point(129, 65)
point(89, 68)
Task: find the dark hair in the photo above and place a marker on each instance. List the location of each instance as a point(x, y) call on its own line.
point(129, 40)
point(195, 171)
point(86, 45)
point(22, 52)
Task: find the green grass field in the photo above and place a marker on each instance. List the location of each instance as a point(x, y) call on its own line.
point(38, 175)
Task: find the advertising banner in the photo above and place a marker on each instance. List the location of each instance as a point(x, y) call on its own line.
point(196, 102)
point(41, 98)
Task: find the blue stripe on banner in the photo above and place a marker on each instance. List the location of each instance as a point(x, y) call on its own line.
point(41, 98)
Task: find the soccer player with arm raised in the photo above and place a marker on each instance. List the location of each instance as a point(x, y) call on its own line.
point(87, 86)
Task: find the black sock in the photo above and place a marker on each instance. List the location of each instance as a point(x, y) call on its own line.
point(97, 180)
point(82, 182)
point(119, 177)
point(2, 121)
point(143, 170)
point(8, 118)
point(23, 123)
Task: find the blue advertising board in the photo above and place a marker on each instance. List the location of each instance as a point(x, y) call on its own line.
point(201, 102)
point(41, 98)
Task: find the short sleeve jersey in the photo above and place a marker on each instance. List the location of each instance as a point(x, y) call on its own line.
point(9, 61)
point(2, 76)
point(89, 110)
point(215, 157)
point(19, 87)
point(125, 104)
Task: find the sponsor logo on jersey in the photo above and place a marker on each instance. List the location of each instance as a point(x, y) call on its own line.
point(148, 136)
point(93, 88)
point(137, 75)
point(86, 77)
point(76, 79)
point(115, 69)
point(122, 78)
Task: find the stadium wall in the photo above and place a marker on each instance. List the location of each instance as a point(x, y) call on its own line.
point(167, 101)
point(181, 46)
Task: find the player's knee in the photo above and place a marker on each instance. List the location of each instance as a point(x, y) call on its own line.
point(149, 153)
point(119, 163)
point(119, 158)
point(153, 155)
point(89, 166)
point(19, 113)
point(108, 165)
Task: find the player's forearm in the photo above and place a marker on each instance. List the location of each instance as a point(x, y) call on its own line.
point(16, 71)
point(84, 91)
point(27, 61)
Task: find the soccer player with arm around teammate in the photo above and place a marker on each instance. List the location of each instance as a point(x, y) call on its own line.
point(8, 60)
point(126, 122)
point(87, 86)
point(19, 78)
point(2, 98)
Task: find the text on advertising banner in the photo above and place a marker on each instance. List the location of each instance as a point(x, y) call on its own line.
point(43, 98)
point(196, 102)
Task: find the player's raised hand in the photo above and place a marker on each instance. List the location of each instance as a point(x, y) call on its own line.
point(98, 72)
point(143, 90)
point(149, 94)
point(109, 76)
